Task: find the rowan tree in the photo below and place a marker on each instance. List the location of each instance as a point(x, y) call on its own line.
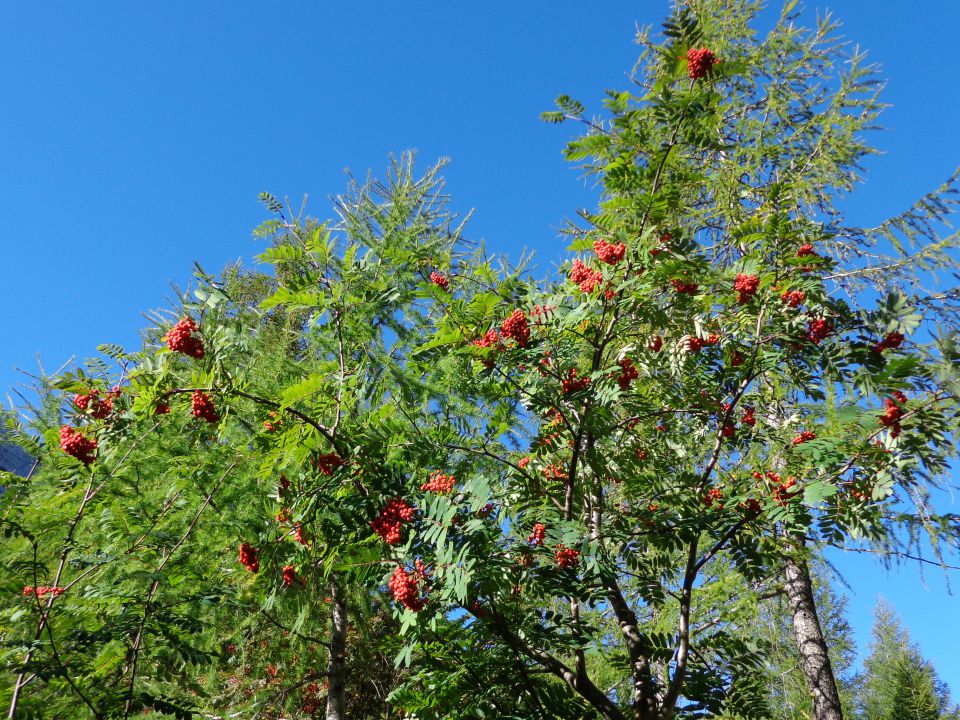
point(563, 485)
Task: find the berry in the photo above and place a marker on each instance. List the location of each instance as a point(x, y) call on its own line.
point(782, 493)
point(248, 557)
point(486, 511)
point(439, 483)
point(389, 523)
point(75, 444)
point(180, 339)
point(42, 590)
point(804, 436)
point(751, 506)
point(729, 430)
point(543, 314)
point(794, 298)
point(893, 412)
point(737, 358)
point(405, 587)
point(523, 462)
point(162, 408)
point(326, 463)
point(609, 253)
point(746, 287)
point(805, 250)
point(92, 403)
point(585, 278)
point(818, 329)
point(566, 557)
point(680, 286)
point(536, 537)
point(572, 383)
point(517, 328)
point(693, 343)
point(700, 62)
point(748, 418)
point(628, 373)
point(439, 280)
point(713, 496)
point(203, 407)
point(289, 575)
point(891, 342)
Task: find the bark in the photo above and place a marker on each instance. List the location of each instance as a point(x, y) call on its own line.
point(337, 663)
point(815, 662)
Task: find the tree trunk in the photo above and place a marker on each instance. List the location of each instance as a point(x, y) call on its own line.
point(337, 663)
point(815, 661)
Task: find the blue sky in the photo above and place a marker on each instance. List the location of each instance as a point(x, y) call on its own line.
point(135, 137)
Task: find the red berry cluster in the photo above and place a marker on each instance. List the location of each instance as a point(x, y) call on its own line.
point(248, 557)
point(891, 342)
point(554, 472)
point(728, 430)
point(517, 328)
point(818, 329)
point(536, 537)
point(405, 587)
point(42, 591)
point(752, 506)
point(439, 280)
point(75, 444)
point(439, 483)
point(327, 463)
point(714, 495)
point(628, 373)
point(655, 344)
point(524, 461)
point(586, 278)
point(737, 358)
point(162, 408)
point(700, 62)
point(203, 407)
point(283, 486)
point(299, 536)
point(289, 575)
point(793, 298)
point(486, 511)
point(781, 491)
point(92, 403)
point(180, 339)
point(608, 252)
point(389, 523)
point(681, 286)
point(566, 557)
point(694, 344)
point(571, 383)
point(805, 250)
point(893, 411)
point(745, 286)
point(748, 417)
point(804, 437)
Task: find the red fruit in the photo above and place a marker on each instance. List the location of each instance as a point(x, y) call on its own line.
point(748, 418)
point(628, 373)
point(326, 463)
point(389, 523)
point(92, 403)
point(891, 342)
point(586, 278)
point(712, 496)
point(517, 328)
point(694, 344)
point(289, 575)
point(655, 344)
point(162, 408)
point(680, 286)
point(536, 537)
point(486, 511)
point(794, 298)
point(439, 280)
point(405, 587)
point(700, 62)
point(804, 437)
point(180, 339)
point(805, 250)
point(42, 591)
point(566, 557)
point(609, 253)
point(75, 444)
point(572, 383)
point(752, 506)
point(439, 483)
point(893, 412)
point(746, 287)
point(248, 557)
point(543, 314)
point(203, 407)
point(729, 430)
point(523, 462)
point(818, 329)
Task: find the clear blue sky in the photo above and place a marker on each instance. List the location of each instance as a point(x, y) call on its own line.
point(135, 137)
